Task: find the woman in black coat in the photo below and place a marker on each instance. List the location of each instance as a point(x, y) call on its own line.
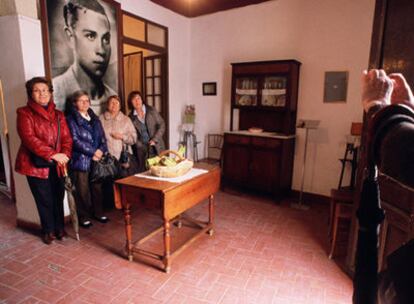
point(89, 145)
point(150, 129)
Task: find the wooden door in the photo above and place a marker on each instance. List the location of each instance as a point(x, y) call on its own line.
point(155, 87)
point(154, 80)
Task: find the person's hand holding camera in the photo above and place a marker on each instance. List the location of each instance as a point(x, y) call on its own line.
point(377, 88)
point(402, 92)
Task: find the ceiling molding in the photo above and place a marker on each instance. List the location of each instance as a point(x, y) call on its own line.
point(195, 8)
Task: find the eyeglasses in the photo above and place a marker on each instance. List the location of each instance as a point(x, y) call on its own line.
point(41, 91)
point(83, 100)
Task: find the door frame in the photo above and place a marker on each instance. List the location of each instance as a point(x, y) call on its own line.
point(162, 51)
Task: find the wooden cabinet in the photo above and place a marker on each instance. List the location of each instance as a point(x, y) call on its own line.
point(264, 95)
point(258, 162)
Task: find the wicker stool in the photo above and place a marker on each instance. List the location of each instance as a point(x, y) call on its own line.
point(341, 207)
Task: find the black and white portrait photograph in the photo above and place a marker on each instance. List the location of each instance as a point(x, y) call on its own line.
point(83, 50)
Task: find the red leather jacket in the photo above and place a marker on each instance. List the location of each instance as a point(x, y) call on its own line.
point(38, 129)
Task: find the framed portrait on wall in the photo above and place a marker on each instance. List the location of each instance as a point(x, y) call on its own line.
point(80, 42)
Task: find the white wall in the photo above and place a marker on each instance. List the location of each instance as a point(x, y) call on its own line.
point(21, 59)
point(324, 35)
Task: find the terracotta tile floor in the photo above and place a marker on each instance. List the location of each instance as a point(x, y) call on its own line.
point(261, 252)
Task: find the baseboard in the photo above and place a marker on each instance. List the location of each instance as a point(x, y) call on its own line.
point(312, 198)
point(27, 225)
point(6, 191)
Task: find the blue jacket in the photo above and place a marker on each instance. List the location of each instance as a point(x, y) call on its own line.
point(88, 136)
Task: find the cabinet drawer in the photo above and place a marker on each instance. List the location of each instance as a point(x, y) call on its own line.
point(237, 139)
point(263, 142)
point(149, 199)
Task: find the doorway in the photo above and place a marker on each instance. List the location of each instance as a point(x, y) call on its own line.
point(145, 57)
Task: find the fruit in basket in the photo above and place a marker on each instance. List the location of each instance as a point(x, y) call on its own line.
point(181, 151)
point(153, 161)
point(165, 160)
point(165, 166)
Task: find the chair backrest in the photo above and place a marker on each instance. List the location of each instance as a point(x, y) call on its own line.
point(214, 146)
point(356, 128)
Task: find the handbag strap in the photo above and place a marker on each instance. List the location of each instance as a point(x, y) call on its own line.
point(58, 135)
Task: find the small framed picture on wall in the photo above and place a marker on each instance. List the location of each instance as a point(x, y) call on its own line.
point(209, 88)
point(336, 86)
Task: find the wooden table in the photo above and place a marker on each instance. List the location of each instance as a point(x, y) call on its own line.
point(172, 199)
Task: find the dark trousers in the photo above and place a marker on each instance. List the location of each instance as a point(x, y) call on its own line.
point(88, 196)
point(48, 195)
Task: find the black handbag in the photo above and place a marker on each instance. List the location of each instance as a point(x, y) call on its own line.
point(106, 169)
point(40, 162)
point(128, 164)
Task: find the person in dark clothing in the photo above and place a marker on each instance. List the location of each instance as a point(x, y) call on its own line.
point(45, 135)
point(150, 129)
point(389, 104)
point(89, 144)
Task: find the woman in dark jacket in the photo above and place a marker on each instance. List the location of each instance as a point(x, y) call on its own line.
point(89, 144)
point(45, 135)
point(150, 128)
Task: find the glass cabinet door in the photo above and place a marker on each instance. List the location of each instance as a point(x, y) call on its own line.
point(246, 91)
point(274, 91)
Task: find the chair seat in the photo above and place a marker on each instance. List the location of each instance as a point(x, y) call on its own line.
point(341, 208)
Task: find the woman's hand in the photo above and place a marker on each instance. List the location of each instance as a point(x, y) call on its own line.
point(60, 158)
point(98, 155)
point(117, 135)
point(152, 142)
point(376, 89)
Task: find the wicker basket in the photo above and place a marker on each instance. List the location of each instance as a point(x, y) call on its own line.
point(181, 168)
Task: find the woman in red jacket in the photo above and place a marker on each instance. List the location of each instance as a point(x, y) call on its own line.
point(45, 137)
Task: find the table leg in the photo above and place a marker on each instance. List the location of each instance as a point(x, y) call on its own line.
point(211, 214)
point(167, 248)
point(128, 231)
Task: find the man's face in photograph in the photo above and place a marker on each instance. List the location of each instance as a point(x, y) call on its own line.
point(92, 42)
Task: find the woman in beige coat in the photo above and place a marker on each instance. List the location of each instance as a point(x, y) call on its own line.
point(118, 127)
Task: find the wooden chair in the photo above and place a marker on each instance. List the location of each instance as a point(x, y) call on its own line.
point(214, 149)
point(341, 208)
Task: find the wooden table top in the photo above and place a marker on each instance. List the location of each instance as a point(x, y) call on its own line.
point(157, 185)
